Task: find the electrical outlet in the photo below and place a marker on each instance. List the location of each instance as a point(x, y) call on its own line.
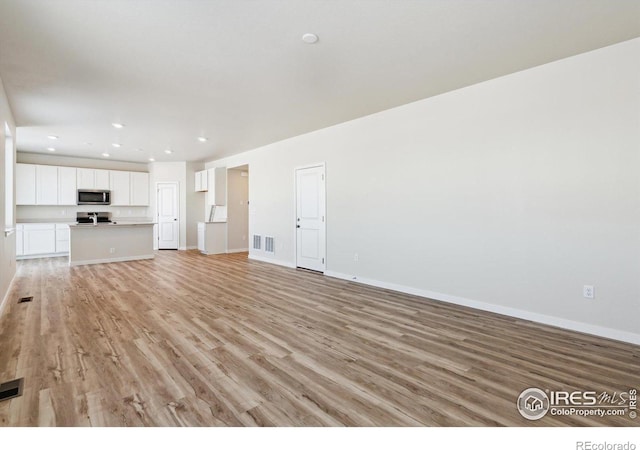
point(588, 291)
point(356, 257)
point(64, 212)
point(112, 250)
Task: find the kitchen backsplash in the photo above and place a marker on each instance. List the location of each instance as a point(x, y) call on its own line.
point(69, 212)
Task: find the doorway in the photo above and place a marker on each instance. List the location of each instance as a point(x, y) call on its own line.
point(168, 215)
point(310, 218)
point(238, 209)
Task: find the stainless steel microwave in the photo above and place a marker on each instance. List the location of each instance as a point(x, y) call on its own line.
point(94, 197)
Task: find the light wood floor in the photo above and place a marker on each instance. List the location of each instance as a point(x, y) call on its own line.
point(222, 341)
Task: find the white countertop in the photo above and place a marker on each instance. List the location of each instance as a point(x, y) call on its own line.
point(117, 223)
point(69, 221)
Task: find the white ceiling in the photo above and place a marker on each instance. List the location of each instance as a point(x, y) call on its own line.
point(237, 71)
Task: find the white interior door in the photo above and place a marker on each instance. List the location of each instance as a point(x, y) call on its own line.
point(168, 216)
point(310, 218)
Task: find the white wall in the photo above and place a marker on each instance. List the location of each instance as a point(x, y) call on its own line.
point(509, 195)
point(70, 161)
point(8, 244)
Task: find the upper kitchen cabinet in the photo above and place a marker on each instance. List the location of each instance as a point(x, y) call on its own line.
point(217, 180)
point(46, 185)
point(92, 179)
point(120, 186)
point(25, 184)
point(139, 189)
point(67, 187)
point(202, 183)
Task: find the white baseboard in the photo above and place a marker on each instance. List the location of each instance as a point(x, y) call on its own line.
point(110, 260)
point(42, 255)
point(192, 247)
point(610, 333)
point(272, 261)
point(237, 250)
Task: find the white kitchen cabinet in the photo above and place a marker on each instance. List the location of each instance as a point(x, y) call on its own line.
point(201, 181)
point(85, 178)
point(139, 189)
point(39, 238)
point(19, 240)
point(25, 184)
point(212, 237)
point(92, 179)
point(46, 185)
point(101, 179)
point(67, 186)
point(217, 180)
point(62, 238)
point(120, 185)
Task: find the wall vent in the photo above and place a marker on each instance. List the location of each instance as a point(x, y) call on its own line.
point(268, 245)
point(25, 299)
point(257, 242)
point(11, 389)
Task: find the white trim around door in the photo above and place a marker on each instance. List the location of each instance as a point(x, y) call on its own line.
point(310, 221)
point(168, 215)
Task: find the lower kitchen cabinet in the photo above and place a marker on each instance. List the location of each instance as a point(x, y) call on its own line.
point(42, 239)
point(39, 238)
point(62, 238)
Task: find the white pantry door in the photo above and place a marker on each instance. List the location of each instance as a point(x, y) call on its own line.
point(310, 218)
point(168, 216)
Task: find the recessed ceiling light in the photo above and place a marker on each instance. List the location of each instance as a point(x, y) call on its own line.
point(51, 149)
point(117, 125)
point(203, 139)
point(152, 159)
point(116, 145)
point(168, 152)
point(53, 137)
point(106, 155)
point(310, 38)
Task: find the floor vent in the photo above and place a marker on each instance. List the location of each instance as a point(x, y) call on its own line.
point(25, 299)
point(268, 245)
point(257, 242)
point(11, 389)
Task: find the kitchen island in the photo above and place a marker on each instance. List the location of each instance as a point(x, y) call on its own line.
point(110, 242)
